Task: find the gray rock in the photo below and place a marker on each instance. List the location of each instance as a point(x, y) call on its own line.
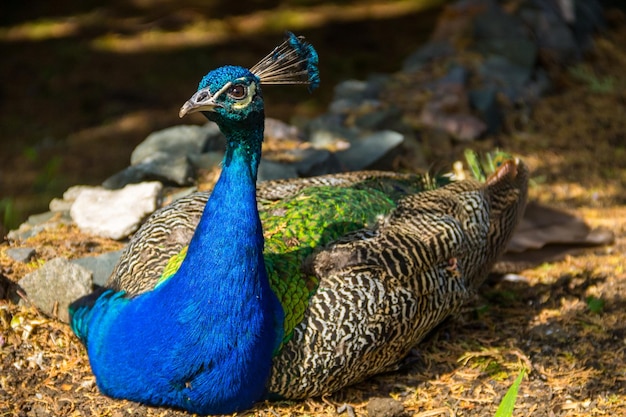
point(279, 130)
point(20, 254)
point(510, 78)
point(352, 90)
point(160, 166)
point(485, 101)
point(270, 170)
point(115, 214)
point(366, 152)
point(562, 35)
point(100, 266)
point(41, 218)
point(37, 223)
point(316, 162)
point(384, 117)
point(455, 78)
point(429, 52)
point(177, 141)
point(385, 407)
point(55, 285)
point(206, 160)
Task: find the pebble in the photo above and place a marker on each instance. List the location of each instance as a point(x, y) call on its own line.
point(269, 170)
point(100, 266)
point(115, 214)
point(175, 141)
point(385, 407)
point(160, 166)
point(366, 152)
point(37, 223)
point(20, 254)
point(55, 285)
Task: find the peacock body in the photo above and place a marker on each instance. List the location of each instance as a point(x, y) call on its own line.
point(294, 288)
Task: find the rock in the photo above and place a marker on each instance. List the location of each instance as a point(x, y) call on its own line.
point(40, 219)
point(206, 160)
point(357, 96)
point(74, 191)
point(562, 34)
point(429, 52)
point(499, 33)
point(115, 214)
point(166, 155)
point(279, 130)
point(270, 170)
point(65, 204)
point(100, 266)
point(354, 90)
point(385, 407)
point(510, 78)
point(55, 285)
point(59, 204)
point(158, 167)
point(38, 222)
point(316, 162)
point(20, 254)
point(366, 152)
point(175, 142)
point(485, 101)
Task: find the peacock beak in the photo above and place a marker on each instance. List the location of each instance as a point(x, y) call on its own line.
point(200, 101)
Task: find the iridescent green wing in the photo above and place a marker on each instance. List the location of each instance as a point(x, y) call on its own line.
point(294, 227)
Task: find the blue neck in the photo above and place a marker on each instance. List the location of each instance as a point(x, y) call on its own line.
point(229, 234)
point(204, 339)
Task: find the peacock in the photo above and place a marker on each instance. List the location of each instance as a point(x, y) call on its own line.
point(291, 288)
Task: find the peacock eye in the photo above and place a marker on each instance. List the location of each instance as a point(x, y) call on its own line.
point(237, 91)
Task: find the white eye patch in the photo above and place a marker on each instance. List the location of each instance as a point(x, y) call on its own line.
point(246, 100)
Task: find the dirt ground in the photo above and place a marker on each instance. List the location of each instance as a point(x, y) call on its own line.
point(563, 321)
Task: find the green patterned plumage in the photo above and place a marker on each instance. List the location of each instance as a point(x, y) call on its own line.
point(293, 227)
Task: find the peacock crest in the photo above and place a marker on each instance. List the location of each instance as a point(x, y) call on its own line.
point(292, 62)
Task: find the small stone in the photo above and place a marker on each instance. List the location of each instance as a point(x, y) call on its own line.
point(158, 167)
point(432, 51)
point(269, 170)
point(57, 204)
point(366, 152)
point(100, 266)
point(485, 101)
point(351, 89)
point(20, 254)
point(115, 214)
point(317, 162)
point(206, 160)
point(376, 118)
point(39, 219)
point(37, 223)
point(74, 191)
point(55, 285)
point(279, 130)
point(175, 142)
point(510, 78)
point(385, 407)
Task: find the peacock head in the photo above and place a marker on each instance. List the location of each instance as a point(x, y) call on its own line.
point(230, 95)
point(226, 94)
